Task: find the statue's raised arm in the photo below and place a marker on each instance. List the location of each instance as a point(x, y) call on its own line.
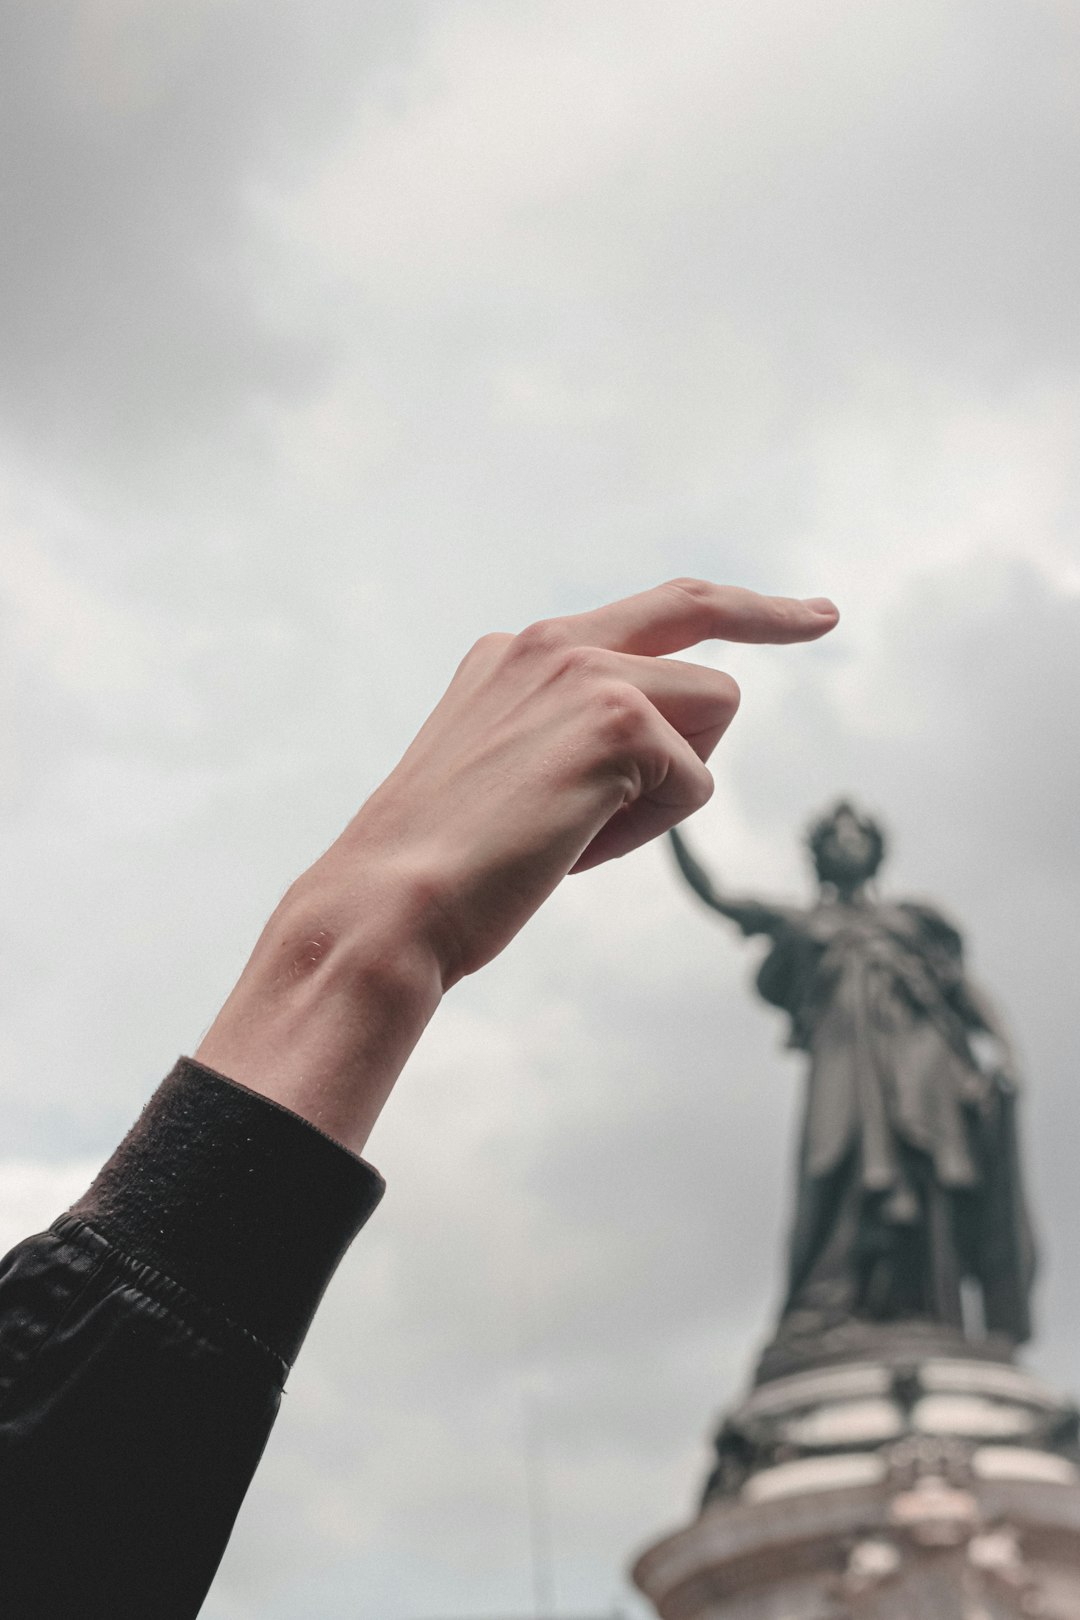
point(752, 916)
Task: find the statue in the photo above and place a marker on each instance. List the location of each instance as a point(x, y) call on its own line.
point(909, 1204)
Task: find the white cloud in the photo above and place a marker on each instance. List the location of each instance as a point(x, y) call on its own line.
point(33, 1192)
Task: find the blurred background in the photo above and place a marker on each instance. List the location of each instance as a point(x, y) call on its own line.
point(334, 335)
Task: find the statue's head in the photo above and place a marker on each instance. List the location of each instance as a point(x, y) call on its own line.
point(847, 848)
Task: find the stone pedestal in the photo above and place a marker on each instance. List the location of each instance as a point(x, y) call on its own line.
point(940, 1489)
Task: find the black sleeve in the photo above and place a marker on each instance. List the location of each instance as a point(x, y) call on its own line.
point(144, 1342)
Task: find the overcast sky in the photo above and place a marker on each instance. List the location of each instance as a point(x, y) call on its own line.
point(335, 334)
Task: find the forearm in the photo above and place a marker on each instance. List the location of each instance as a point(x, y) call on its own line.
point(748, 915)
point(338, 991)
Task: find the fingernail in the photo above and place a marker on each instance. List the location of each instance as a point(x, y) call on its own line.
point(822, 605)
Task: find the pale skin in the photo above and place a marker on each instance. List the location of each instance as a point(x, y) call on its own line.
point(569, 744)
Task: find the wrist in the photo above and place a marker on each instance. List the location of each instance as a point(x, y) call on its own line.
point(337, 992)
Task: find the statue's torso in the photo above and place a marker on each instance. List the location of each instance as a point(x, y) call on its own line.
point(880, 951)
point(867, 988)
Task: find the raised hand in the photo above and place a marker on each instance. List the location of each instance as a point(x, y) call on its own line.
point(552, 750)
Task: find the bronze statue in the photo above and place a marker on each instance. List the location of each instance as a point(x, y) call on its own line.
point(908, 1178)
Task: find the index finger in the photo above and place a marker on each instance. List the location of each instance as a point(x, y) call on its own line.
point(683, 612)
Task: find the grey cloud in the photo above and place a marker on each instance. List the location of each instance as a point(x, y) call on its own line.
point(761, 293)
point(128, 306)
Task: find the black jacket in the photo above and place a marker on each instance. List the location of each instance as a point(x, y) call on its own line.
point(144, 1343)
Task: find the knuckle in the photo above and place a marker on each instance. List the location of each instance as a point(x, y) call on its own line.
point(624, 715)
point(540, 639)
point(784, 616)
point(623, 741)
point(704, 787)
point(489, 645)
point(485, 650)
point(728, 692)
point(697, 591)
point(579, 660)
point(546, 643)
point(493, 642)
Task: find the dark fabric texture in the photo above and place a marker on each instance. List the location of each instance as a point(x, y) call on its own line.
point(238, 1199)
point(144, 1342)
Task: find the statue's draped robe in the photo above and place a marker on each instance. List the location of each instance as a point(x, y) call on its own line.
point(908, 1176)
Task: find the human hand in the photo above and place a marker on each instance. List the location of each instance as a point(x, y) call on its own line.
point(551, 751)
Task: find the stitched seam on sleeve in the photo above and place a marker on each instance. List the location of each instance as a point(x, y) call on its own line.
point(159, 1288)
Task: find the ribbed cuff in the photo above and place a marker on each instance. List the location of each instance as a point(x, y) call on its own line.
point(236, 1198)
